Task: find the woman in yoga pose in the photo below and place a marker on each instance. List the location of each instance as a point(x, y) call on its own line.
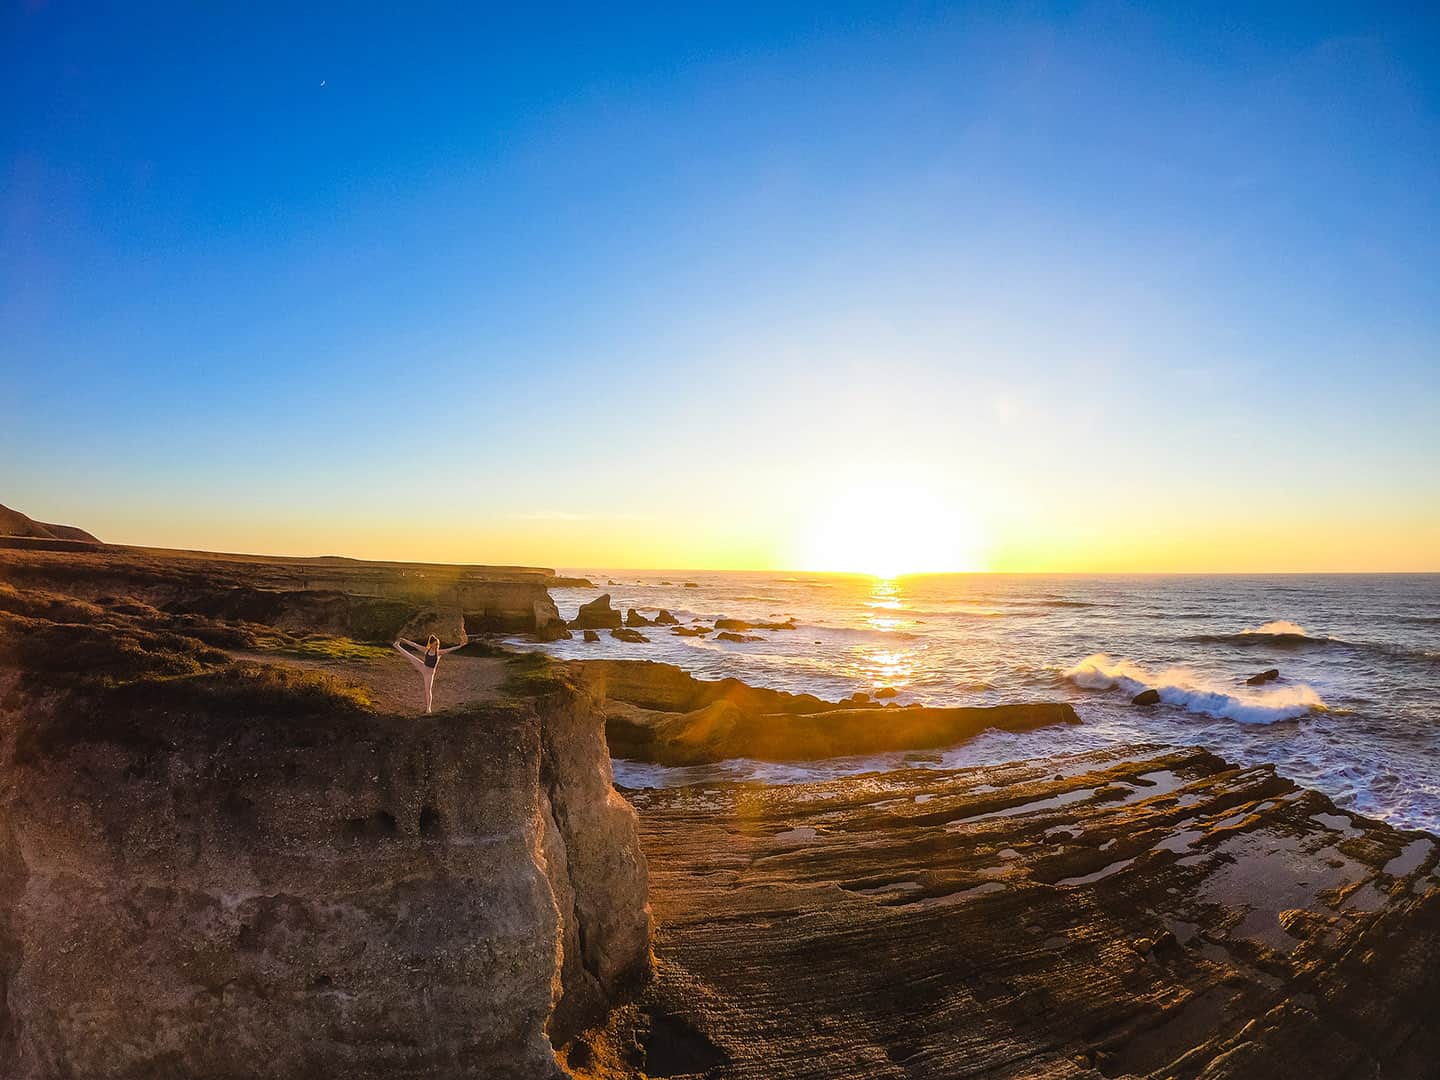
point(427, 664)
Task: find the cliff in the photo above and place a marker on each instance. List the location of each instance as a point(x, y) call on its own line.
point(366, 601)
point(218, 869)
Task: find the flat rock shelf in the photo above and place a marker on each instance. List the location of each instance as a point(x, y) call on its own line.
point(1114, 913)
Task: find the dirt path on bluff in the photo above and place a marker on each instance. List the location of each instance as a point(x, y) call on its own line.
point(395, 685)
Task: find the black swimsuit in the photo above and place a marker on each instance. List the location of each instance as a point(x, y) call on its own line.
point(431, 659)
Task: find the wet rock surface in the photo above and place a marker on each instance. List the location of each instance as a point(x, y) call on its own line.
point(1117, 913)
point(596, 615)
point(658, 713)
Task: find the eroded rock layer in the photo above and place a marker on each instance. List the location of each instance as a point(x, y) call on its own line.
point(1120, 913)
point(658, 713)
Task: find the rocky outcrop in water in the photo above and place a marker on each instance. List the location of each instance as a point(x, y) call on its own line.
point(741, 626)
point(596, 615)
point(1123, 913)
point(659, 713)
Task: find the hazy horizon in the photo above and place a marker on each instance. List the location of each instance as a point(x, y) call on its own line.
point(1074, 288)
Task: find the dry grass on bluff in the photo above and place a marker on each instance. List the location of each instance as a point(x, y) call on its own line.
point(124, 673)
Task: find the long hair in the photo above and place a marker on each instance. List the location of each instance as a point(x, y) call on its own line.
point(433, 645)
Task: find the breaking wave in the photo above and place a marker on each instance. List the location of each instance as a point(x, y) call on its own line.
point(1278, 632)
point(1284, 634)
point(966, 610)
point(1182, 688)
point(857, 633)
point(1279, 628)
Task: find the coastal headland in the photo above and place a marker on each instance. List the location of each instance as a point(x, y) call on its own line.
point(233, 846)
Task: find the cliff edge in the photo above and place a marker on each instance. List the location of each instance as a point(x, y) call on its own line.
point(219, 869)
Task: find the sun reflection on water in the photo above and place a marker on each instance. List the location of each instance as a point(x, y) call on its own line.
point(885, 666)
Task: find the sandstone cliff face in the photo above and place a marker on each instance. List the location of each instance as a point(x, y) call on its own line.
point(265, 881)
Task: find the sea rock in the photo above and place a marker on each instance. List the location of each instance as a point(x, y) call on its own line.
point(741, 625)
point(664, 618)
point(692, 585)
point(665, 687)
point(632, 636)
point(1146, 697)
point(1263, 677)
point(596, 615)
point(860, 697)
point(886, 692)
point(659, 713)
point(707, 735)
point(728, 635)
point(591, 635)
point(634, 618)
point(691, 631)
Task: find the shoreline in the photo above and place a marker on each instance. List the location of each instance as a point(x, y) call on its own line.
point(1120, 909)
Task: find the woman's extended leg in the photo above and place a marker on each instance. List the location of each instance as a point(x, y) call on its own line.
point(416, 664)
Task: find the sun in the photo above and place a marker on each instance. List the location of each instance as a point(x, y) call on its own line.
point(892, 530)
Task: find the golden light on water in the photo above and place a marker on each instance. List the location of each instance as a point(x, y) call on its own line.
point(892, 529)
point(884, 666)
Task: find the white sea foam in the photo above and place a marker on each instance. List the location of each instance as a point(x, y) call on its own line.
point(1183, 688)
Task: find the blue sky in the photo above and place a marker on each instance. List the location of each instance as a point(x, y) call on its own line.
point(633, 287)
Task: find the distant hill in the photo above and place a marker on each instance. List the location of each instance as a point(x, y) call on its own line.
point(14, 523)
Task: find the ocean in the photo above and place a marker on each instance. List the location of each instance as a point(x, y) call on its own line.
point(1355, 713)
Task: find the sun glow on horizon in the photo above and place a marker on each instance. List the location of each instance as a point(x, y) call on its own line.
point(890, 530)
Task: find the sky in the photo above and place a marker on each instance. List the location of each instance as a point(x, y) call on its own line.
point(884, 288)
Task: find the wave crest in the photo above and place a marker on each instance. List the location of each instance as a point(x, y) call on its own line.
point(1183, 688)
point(1276, 632)
point(1279, 628)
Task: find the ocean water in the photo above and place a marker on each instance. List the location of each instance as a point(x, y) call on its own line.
point(1355, 714)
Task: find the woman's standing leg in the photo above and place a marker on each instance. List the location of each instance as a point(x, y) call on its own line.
point(429, 675)
point(425, 672)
